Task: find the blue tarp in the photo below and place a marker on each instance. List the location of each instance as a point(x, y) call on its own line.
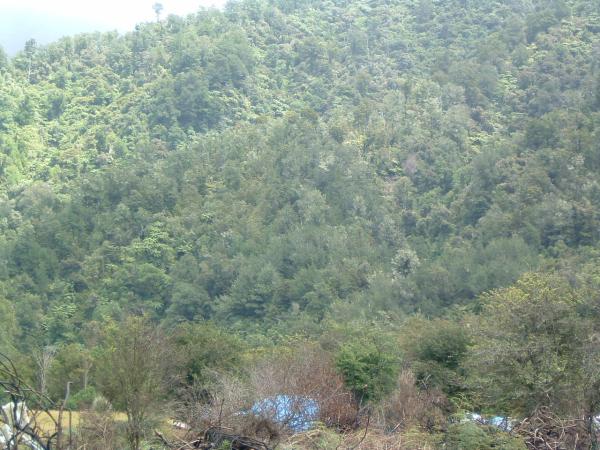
point(503, 423)
point(500, 422)
point(295, 412)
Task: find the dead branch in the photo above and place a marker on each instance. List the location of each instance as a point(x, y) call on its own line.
point(544, 430)
point(213, 438)
point(21, 393)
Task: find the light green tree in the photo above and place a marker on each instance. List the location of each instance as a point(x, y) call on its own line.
point(133, 372)
point(528, 352)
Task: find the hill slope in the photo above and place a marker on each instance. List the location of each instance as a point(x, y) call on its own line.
point(286, 160)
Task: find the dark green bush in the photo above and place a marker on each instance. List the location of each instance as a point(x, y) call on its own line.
point(82, 399)
point(369, 371)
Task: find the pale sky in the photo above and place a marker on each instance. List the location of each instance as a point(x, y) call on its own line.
point(47, 20)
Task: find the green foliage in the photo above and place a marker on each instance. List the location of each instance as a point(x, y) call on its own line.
point(270, 160)
point(438, 349)
point(206, 351)
point(225, 445)
point(8, 328)
point(369, 371)
point(311, 168)
point(133, 373)
point(3, 58)
point(72, 363)
point(82, 399)
point(470, 436)
point(528, 351)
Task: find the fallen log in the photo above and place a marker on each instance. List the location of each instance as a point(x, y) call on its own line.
point(213, 438)
point(219, 435)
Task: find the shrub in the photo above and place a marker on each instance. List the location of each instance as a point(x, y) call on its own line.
point(529, 350)
point(368, 371)
point(82, 399)
point(470, 436)
point(437, 350)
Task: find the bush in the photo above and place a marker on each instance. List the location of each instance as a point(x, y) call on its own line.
point(470, 436)
point(529, 352)
point(82, 399)
point(368, 371)
point(437, 350)
point(205, 349)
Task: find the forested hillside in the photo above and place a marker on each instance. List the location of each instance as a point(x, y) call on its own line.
point(307, 168)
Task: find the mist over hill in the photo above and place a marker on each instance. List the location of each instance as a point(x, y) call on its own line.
point(16, 27)
point(21, 20)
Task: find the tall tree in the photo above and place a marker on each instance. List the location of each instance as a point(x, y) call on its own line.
point(133, 372)
point(30, 50)
point(157, 7)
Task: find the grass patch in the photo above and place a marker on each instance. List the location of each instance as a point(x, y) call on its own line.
point(45, 423)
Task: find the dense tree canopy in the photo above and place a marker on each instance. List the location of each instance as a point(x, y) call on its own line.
point(275, 158)
point(286, 166)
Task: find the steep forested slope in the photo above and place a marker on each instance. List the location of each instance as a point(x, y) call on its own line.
point(286, 160)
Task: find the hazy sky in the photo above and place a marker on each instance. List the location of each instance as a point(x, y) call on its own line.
point(47, 20)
